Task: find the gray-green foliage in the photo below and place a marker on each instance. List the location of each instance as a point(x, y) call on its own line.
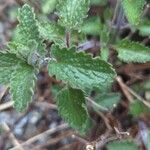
point(79, 70)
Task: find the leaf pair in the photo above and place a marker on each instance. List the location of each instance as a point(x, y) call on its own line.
point(80, 71)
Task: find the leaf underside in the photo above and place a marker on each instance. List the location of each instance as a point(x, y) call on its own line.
point(71, 106)
point(133, 52)
point(80, 70)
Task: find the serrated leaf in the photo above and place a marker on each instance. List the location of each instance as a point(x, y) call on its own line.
point(21, 77)
point(8, 64)
point(72, 12)
point(144, 28)
point(22, 85)
point(27, 29)
point(108, 100)
point(133, 10)
point(138, 108)
point(80, 70)
point(133, 52)
point(122, 145)
point(71, 106)
point(53, 32)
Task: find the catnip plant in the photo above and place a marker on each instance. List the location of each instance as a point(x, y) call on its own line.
point(26, 55)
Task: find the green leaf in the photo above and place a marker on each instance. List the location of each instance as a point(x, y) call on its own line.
point(122, 145)
point(133, 10)
point(108, 100)
point(80, 70)
point(20, 76)
point(144, 28)
point(8, 64)
point(22, 85)
point(138, 108)
point(27, 29)
point(53, 32)
point(71, 106)
point(133, 52)
point(72, 12)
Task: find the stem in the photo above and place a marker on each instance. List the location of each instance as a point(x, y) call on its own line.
point(117, 18)
point(68, 38)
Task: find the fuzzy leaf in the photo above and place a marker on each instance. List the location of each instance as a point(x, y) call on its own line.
point(72, 12)
point(80, 70)
point(133, 10)
point(28, 29)
point(122, 145)
point(21, 86)
point(133, 52)
point(71, 106)
point(8, 64)
point(51, 31)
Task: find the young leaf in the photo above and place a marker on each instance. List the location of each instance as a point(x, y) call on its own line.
point(133, 10)
point(71, 106)
point(21, 86)
point(133, 52)
point(80, 70)
point(27, 29)
point(53, 32)
point(8, 64)
point(72, 12)
point(122, 145)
